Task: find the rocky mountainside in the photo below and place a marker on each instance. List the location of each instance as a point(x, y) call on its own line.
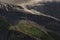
point(50, 8)
point(18, 24)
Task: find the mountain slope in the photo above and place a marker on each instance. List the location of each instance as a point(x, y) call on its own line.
point(50, 9)
point(46, 26)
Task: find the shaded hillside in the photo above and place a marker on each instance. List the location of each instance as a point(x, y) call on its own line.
point(7, 34)
point(50, 8)
point(26, 34)
point(14, 16)
point(53, 9)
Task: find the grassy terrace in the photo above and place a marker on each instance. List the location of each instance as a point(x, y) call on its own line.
point(32, 30)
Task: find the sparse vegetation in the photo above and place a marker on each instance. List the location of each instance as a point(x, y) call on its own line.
point(33, 31)
point(3, 23)
point(7, 34)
